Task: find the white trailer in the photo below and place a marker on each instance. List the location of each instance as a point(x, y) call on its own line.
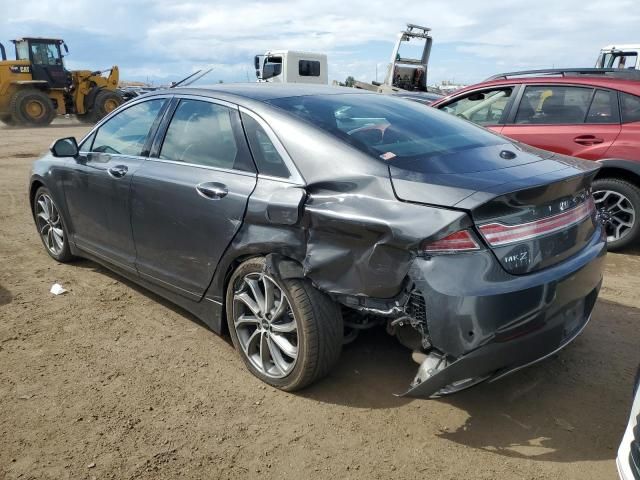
point(620, 56)
point(289, 66)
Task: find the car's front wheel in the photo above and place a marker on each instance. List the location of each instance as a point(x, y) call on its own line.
point(618, 205)
point(51, 227)
point(288, 333)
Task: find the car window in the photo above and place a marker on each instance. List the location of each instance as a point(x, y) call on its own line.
point(86, 145)
point(201, 133)
point(629, 108)
point(484, 108)
point(265, 154)
point(127, 132)
point(620, 60)
point(388, 128)
point(604, 108)
point(309, 68)
point(45, 54)
point(548, 104)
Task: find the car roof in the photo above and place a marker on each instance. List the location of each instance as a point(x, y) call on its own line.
point(623, 85)
point(264, 91)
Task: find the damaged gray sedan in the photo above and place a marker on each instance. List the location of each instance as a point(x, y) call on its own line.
point(297, 216)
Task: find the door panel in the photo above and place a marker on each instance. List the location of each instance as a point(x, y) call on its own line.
point(188, 203)
point(585, 141)
point(46, 64)
point(179, 231)
point(99, 205)
point(571, 120)
point(98, 187)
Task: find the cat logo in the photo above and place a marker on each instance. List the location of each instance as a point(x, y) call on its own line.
point(20, 68)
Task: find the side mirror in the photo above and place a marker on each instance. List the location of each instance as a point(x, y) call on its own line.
point(65, 147)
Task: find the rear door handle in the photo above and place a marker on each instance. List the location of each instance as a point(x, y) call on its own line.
point(118, 171)
point(212, 190)
point(588, 140)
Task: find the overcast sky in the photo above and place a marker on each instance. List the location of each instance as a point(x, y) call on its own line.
point(164, 40)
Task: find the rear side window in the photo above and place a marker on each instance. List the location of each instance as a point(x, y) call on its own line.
point(604, 108)
point(309, 68)
point(202, 133)
point(265, 154)
point(548, 105)
point(483, 108)
point(629, 108)
point(126, 133)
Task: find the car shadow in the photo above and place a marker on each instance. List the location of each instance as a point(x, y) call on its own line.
point(570, 407)
point(370, 371)
point(538, 413)
point(5, 296)
point(96, 267)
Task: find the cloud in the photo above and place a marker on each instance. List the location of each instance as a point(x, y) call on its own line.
point(168, 38)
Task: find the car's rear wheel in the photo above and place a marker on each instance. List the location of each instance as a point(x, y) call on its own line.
point(288, 333)
point(51, 227)
point(618, 205)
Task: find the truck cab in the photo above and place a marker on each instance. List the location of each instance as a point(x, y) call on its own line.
point(288, 66)
point(620, 56)
point(45, 56)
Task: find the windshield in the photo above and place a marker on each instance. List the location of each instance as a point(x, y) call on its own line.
point(618, 60)
point(387, 127)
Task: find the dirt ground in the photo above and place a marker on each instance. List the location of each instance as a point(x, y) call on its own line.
point(110, 381)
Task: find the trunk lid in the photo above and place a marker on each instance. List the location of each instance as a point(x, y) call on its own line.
point(531, 207)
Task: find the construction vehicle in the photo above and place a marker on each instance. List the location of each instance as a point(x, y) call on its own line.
point(289, 66)
point(405, 73)
point(619, 56)
point(36, 86)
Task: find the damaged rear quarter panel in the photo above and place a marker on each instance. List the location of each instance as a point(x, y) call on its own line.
point(353, 237)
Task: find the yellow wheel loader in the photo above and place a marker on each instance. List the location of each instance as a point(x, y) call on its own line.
point(35, 87)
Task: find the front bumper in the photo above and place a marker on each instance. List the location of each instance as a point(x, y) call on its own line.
point(490, 323)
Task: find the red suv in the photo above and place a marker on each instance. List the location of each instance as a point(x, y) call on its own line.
point(583, 113)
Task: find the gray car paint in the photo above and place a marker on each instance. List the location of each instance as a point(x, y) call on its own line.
point(351, 236)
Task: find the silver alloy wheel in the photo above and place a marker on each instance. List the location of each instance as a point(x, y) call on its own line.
point(616, 213)
point(265, 325)
point(49, 224)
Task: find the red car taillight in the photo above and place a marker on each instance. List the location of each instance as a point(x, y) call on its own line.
point(497, 234)
point(461, 241)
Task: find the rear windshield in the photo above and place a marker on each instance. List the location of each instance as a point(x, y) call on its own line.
point(387, 127)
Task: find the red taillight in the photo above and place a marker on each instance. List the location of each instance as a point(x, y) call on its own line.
point(497, 234)
point(461, 241)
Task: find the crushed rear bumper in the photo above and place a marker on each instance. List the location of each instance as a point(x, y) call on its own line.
point(487, 323)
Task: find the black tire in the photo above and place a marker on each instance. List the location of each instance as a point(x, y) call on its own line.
point(632, 193)
point(7, 119)
point(319, 328)
point(64, 254)
point(104, 103)
point(32, 107)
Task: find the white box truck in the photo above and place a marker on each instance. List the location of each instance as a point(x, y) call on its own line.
point(289, 66)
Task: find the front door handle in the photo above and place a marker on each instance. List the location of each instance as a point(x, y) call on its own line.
point(118, 171)
point(212, 190)
point(588, 140)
